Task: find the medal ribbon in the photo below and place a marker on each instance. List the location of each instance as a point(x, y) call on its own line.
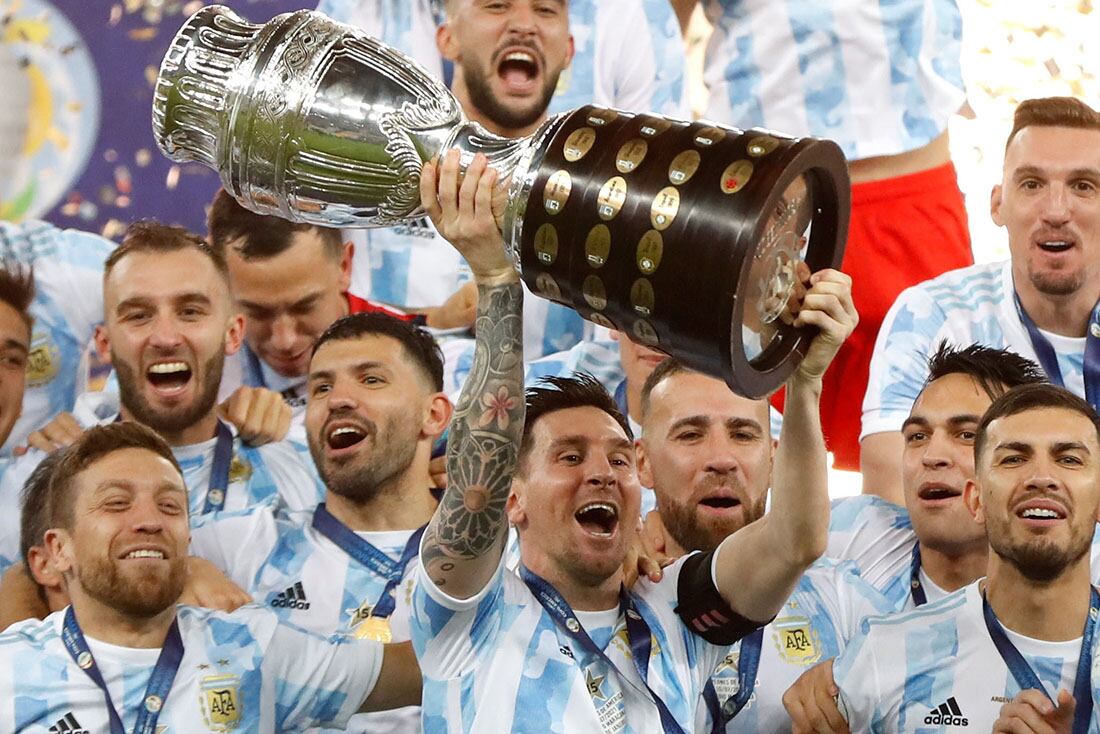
point(637, 631)
point(366, 554)
point(160, 681)
point(1024, 674)
point(1048, 358)
point(219, 472)
point(915, 585)
point(748, 663)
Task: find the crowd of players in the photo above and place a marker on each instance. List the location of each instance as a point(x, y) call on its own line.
point(365, 482)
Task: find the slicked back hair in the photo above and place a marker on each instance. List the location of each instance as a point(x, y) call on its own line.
point(260, 236)
point(147, 235)
point(92, 445)
point(418, 343)
point(1033, 397)
point(551, 394)
point(994, 370)
point(1053, 112)
point(17, 289)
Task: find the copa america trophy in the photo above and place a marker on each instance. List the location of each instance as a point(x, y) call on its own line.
point(686, 236)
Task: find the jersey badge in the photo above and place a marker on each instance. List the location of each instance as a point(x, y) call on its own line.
point(221, 702)
point(42, 361)
point(798, 642)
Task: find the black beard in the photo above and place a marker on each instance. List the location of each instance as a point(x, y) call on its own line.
point(481, 97)
point(1039, 561)
point(361, 478)
point(210, 377)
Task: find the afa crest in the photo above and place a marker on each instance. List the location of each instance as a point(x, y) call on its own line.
point(798, 642)
point(42, 361)
point(221, 702)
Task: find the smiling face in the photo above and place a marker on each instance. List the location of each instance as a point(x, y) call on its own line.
point(1049, 201)
point(369, 411)
point(127, 544)
point(167, 331)
point(1037, 490)
point(576, 499)
point(289, 299)
point(508, 54)
point(707, 453)
point(938, 460)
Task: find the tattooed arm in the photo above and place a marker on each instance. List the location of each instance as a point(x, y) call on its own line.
point(463, 543)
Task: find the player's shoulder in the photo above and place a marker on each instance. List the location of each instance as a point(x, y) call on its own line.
point(867, 509)
point(34, 634)
point(962, 287)
point(951, 607)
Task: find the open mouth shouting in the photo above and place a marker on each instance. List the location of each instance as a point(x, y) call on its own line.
point(720, 503)
point(169, 378)
point(598, 519)
point(937, 493)
point(343, 436)
point(1054, 243)
point(519, 69)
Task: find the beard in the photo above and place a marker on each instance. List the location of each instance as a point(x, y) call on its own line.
point(1058, 284)
point(361, 477)
point(178, 419)
point(508, 118)
point(692, 532)
point(143, 595)
point(1039, 559)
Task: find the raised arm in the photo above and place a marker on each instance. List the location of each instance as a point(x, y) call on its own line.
point(464, 541)
point(758, 567)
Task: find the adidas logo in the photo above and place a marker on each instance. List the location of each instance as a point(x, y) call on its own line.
point(68, 725)
point(948, 714)
point(293, 598)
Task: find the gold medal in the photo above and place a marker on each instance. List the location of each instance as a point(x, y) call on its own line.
point(374, 628)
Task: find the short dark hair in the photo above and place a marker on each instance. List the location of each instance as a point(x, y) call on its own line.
point(1033, 397)
point(666, 369)
point(554, 393)
point(92, 445)
point(34, 519)
point(994, 370)
point(1053, 112)
point(262, 236)
point(147, 235)
point(17, 289)
point(418, 343)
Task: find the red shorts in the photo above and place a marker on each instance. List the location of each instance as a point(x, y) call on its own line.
point(903, 231)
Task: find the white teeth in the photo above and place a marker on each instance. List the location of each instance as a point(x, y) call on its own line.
point(346, 429)
point(145, 554)
point(1039, 513)
point(520, 56)
point(600, 506)
point(167, 368)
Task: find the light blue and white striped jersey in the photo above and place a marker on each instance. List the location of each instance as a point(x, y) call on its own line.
point(909, 672)
point(815, 624)
point(972, 305)
point(879, 78)
point(243, 671)
point(306, 579)
point(628, 54)
point(878, 537)
point(274, 471)
point(498, 663)
point(68, 304)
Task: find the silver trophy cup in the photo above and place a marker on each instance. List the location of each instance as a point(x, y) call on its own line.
point(684, 235)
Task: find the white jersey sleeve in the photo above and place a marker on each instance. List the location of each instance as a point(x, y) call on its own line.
point(68, 304)
point(877, 536)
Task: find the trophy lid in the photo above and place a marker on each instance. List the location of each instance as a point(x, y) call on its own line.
point(191, 99)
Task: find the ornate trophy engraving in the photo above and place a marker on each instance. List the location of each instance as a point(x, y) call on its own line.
point(687, 236)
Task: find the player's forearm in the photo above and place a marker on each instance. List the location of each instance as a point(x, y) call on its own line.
point(463, 543)
point(399, 682)
point(799, 516)
point(880, 465)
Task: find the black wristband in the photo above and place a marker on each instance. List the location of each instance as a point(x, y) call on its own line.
point(703, 609)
